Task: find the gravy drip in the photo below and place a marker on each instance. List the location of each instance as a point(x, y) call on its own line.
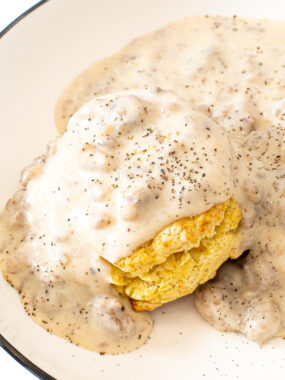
point(232, 70)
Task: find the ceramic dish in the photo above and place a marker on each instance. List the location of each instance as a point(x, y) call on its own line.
point(40, 54)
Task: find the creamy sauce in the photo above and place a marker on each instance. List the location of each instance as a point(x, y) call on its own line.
point(196, 116)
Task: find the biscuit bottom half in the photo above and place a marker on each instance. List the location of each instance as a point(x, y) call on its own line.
point(183, 255)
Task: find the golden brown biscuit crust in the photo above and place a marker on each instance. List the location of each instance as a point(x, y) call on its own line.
point(183, 255)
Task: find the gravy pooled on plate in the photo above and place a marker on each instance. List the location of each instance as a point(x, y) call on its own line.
point(195, 116)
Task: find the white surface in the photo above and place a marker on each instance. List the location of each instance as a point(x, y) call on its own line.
point(9, 10)
point(38, 58)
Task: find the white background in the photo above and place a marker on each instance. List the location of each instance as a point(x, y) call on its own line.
point(9, 10)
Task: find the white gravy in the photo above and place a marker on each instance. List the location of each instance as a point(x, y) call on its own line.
point(195, 115)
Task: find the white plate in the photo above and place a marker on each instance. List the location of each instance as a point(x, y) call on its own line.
point(39, 56)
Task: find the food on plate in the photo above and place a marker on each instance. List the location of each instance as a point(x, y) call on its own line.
point(101, 191)
point(181, 256)
point(171, 161)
